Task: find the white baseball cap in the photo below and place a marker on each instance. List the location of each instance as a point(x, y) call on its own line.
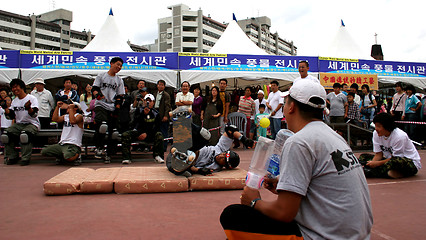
point(39, 80)
point(150, 96)
point(305, 91)
point(260, 91)
point(78, 105)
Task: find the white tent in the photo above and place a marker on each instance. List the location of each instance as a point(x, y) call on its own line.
point(234, 41)
point(109, 38)
point(6, 75)
point(343, 45)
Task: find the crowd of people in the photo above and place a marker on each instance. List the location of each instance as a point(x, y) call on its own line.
point(317, 166)
point(143, 114)
point(405, 107)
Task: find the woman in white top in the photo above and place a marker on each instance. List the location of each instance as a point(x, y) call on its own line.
point(395, 154)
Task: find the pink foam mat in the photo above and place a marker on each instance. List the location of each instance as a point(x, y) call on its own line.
point(148, 180)
point(101, 181)
point(67, 182)
point(226, 179)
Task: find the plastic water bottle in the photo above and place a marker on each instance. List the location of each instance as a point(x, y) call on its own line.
point(274, 159)
point(259, 162)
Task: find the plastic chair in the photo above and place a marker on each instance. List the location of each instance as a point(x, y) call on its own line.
point(240, 120)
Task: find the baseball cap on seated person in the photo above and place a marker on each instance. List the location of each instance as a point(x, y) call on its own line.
point(150, 96)
point(309, 93)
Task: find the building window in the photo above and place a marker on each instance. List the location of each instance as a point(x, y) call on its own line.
point(65, 32)
point(48, 27)
point(65, 41)
point(14, 31)
point(46, 47)
point(15, 20)
point(65, 22)
point(211, 34)
point(213, 25)
point(48, 38)
point(14, 41)
point(76, 45)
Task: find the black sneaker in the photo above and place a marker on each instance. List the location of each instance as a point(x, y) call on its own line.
point(24, 162)
point(77, 162)
point(8, 161)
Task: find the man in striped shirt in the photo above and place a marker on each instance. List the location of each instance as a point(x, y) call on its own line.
point(247, 106)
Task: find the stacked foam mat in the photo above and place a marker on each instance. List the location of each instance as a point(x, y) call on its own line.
point(138, 180)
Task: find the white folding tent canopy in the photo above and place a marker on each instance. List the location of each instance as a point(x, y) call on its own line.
point(108, 39)
point(235, 41)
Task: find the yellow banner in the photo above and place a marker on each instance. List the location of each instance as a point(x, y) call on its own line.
point(338, 59)
point(46, 52)
point(328, 79)
point(191, 54)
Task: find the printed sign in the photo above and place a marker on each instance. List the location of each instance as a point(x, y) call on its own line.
point(381, 68)
point(236, 62)
point(9, 59)
point(328, 79)
point(97, 60)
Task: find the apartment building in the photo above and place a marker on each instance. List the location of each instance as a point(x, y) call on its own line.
point(190, 31)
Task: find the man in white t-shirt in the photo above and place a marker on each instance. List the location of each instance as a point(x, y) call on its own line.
point(24, 109)
point(260, 100)
point(275, 103)
point(321, 191)
point(69, 147)
point(45, 102)
point(395, 155)
point(106, 89)
point(303, 71)
point(184, 98)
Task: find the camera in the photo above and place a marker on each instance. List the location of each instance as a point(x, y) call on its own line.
point(139, 97)
point(3, 104)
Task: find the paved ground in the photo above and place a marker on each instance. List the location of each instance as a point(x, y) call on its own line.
point(26, 213)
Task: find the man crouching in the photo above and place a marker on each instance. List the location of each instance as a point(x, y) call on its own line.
point(69, 147)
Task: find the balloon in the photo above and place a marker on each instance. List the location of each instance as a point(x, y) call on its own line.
point(264, 122)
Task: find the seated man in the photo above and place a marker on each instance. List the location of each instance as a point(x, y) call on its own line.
point(24, 109)
point(146, 123)
point(395, 155)
point(69, 147)
point(321, 192)
point(208, 159)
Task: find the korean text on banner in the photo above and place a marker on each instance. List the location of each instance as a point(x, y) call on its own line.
point(328, 79)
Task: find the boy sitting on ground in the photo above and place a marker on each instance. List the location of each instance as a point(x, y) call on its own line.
point(395, 154)
point(69, 147)
point(208, 159)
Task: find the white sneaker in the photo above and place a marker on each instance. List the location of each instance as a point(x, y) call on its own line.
point(126, 162)
point(98, 153)
point(205, 134)
point(158, 159)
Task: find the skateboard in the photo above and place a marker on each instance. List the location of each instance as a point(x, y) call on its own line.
point(182, 140)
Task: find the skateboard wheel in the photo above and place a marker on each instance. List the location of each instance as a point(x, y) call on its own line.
point(173, 150)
